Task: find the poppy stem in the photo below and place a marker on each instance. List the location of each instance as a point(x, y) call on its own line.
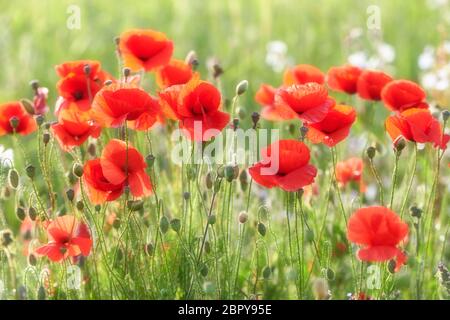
point(411, 180)
point(394, 179)
point(378, 179)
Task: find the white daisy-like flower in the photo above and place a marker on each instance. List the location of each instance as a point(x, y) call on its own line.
point(358, 59)
point(427, 58)
point(386, 52)
point(276, 56)
point(6, 156)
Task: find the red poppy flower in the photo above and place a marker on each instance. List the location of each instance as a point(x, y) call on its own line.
point(175, 72)
point(74, 128)
point(370, 83)
point(197, 107)
point(125, 165)
point(14, 112)
point(309, 102)
point(67, 237)
point(265, 96)
point(334, 128)
point(303, 73)
point(284, 164)
point(145, 49)
point(344, 78)
point(416, 125)
point(117, 103)
point(77, 87)
point(379, 231)
point(99, 189)
point(399, 95)
point(350, 170)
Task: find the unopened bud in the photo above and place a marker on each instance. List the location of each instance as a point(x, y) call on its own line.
point(391, 266)
point(399, 144)
point(209, 180)
point(212, 219)
point(14, 122)
point(415, 212)
point(243, 217)
point(149, 249)
point(203, 270)
point(87, 69)
point(116, 223)
point(262, 229)
point(150, 160)
point(303, 132)
point(6, 237)
point(126, 72)
point(191, 59)
point(186, 195)
point(255, 119)
point(371, 151)
point(13, 178)
point(20, 213)
point(40, 119)
point(45, 138)
point(77, 170)
point(92, 149)
point(243, 179)
point(445, 115)
point(32, 213)
point(80, 205)
point(267, 271)
point(32, 260)
point(242, 87)
point(30, 170)
point(229, 173)
point(107, 82)
point(34, 84)
point(235, 124)
point(175, 224)
point(27, 105)
point(164, 224)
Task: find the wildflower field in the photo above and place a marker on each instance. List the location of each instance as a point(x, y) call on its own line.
point(254, 150)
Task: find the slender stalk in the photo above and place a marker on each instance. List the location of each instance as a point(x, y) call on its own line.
point(411, 180)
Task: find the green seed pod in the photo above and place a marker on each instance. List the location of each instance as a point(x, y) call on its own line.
point(135, 205)
point(209, 180)
point(149, 249)
point(416, 212)
point(445, 115)
point(164, 224)
point(41, 293)
point(32, 213)
point(40, 119)
point(14, 122)
point(32, 260)
point(175, 224)
point(186, 195)
point(262, 229)
point(243, 179)
point(46, 138)
point(371, 151)
point(30, 170)
point(13, 178)
point(6, 237)
point(70, 193)
point(207, 247)
point(116, 223)
point(255, 119)
point(80, 205)
point(229, 173)
point(77, 170)
point(150, 160)
point(92, 149)
point(203, 270)
point(399, 144)
point(212, 219)
point(20, 213)
point(27, 105)
point(98, 208)
point(391, 266)
point(267, 271)
point(329, 273)
point(242, 87)
point(217, 186)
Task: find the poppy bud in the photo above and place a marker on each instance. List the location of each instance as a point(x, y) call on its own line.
point(116, 223)
point(445, 115)
point(80, 205)
point(415, 212)
point(217, 186)
point(6, 237)
point(262, 229)
point(329, 273)
point(243, 217)
point(92, 149)
point(221, 172)
point(212, 219)
point(203, 270)
point(20, 213)
point(242, 87)
point(186, 195)
point(87, 69)
point(30, 170)
point(209, 180)
point(47, 125)
point(46, 138)
point(164, 224)
point(34, 84)
point(27, 105)
point(135, 205)
point(215, 68)
point(371, 151)
point(267, 271)
point(391, 266)
point(40, 120)
point(71, 177)
point(241, 113)
point(13, 178)
point(149, 249)
point(126, 72)
point(107, 83)
point(77, 170)
point(191, 59)
point(235, 124)
point(41, 293)
point(150, 159)
point(303, 132)
point(229, 173)
point(116, 40)
point(243, 179)
point(98, 207)
point(32, 213)
point(444, 276)
point(175, 224)
point(255, 119)
point(399, 144)
point(14, 122)
point(207, 247)
point(32, 260)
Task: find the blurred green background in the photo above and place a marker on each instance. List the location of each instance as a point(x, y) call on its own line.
point(34, 36)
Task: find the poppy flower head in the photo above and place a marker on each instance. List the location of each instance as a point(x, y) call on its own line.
point(197, 107)
point(117, 103)
point(400, 95)
point(15, 119)
point(145, 49)
point(309, 102)
point(122, 164)
point(334, 128)
point(265, 96)
point(99, 189)
point(74, 128)
point(173, 73)
point(379, 231)
point(303, 73)
point(343, 78)
point(67, 237)
point(370, 83)
point(350, 170)
point(284, 164)
point(417, 125)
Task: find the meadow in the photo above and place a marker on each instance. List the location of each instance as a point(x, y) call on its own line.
point(96, 204)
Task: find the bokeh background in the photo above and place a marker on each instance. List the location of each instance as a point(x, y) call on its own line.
point(34, 36)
